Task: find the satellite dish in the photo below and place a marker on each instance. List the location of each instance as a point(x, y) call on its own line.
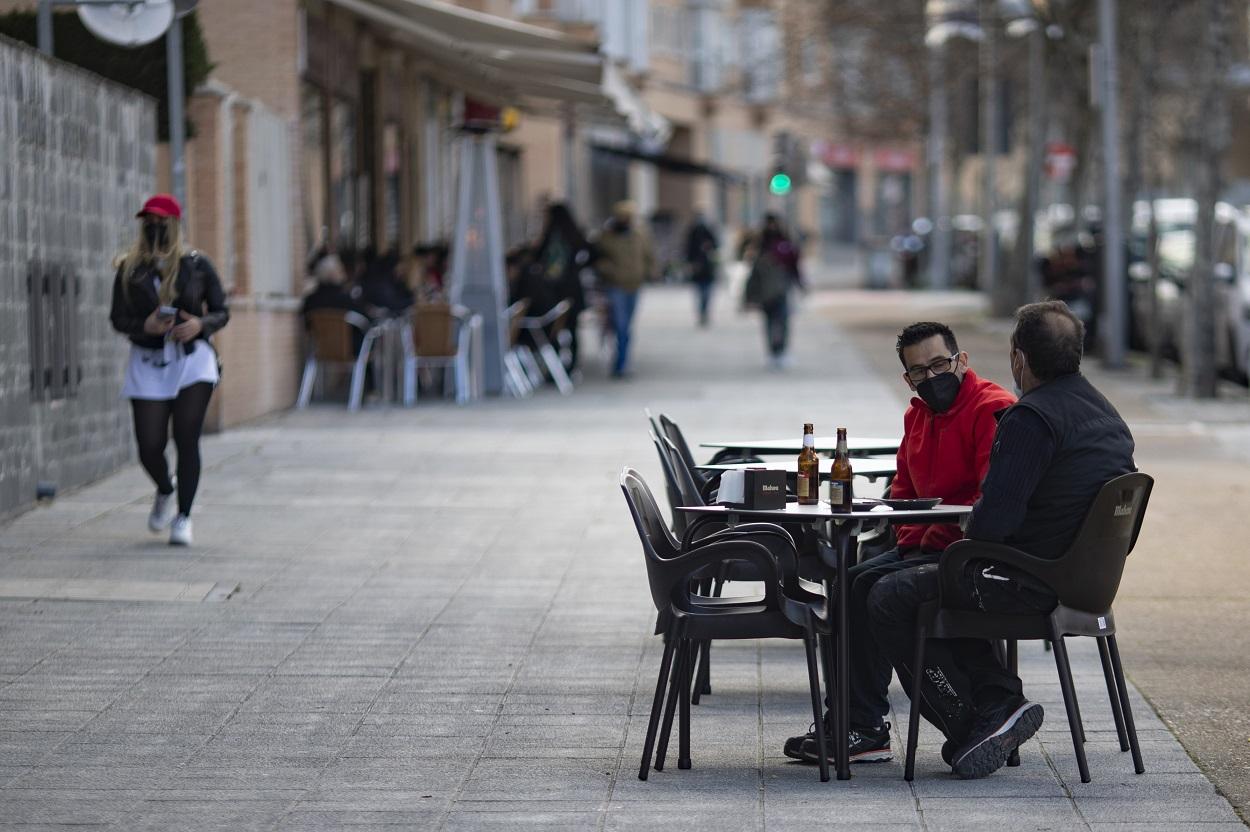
point(131, 24)
point(182, 8)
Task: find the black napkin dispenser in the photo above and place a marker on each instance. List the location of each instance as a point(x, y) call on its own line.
point(761, 489)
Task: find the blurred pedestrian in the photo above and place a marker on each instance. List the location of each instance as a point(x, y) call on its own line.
point(168, 300)
point(625, 260)
point(774, 272)
point(561, 254)
point(702, 255)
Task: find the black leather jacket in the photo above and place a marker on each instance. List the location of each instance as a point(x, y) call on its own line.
point(197, 290)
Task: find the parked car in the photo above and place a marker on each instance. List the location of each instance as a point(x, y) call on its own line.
point(1175, 219)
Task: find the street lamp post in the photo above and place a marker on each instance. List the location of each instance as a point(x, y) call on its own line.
point(946, 19)
point(987, 277)
point(1113, 317)
point(939, 198)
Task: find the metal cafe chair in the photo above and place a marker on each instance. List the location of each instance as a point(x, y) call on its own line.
point(516, 378)
point(687, 618)
point(332, 337)
point(440, 335)
point(555, 319)
point(1086, 579)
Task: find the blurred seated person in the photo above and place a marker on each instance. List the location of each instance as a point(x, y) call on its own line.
point(331, 291)
point(426, 271)
point(381, 288)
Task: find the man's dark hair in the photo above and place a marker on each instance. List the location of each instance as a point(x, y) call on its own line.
point(923, 331)
point(1051, 338)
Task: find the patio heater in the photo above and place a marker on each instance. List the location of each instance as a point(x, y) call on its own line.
point(477, 252)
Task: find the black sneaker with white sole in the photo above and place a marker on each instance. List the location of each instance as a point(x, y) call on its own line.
point(995, 735)
point(871, 746)
point(794, 745)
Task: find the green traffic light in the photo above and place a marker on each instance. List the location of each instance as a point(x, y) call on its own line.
point(780, 184)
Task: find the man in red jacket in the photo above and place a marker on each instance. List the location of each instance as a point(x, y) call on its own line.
point(948, 432)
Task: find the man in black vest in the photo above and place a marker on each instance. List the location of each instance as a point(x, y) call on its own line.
point(1053, 450)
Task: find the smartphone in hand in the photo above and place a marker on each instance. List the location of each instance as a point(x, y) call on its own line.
point(165, 313)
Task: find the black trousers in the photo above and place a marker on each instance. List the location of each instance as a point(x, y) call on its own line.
point(961, 677)
point(871, 670)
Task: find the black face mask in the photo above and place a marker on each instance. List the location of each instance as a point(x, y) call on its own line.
point(940, 392)
point(157, 236)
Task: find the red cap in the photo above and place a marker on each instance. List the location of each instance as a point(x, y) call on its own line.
point(161, 205)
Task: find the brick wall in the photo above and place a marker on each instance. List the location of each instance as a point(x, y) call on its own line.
point(79, 159)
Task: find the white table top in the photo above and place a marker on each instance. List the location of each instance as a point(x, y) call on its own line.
point(860, 466)
point(941, 513)
point(824, 444)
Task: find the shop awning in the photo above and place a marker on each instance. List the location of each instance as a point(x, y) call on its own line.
point(667, 162)
point(506, 61)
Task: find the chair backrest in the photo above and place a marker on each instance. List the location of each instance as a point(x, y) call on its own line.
point(434, 330)
point(687, 486)
point(671, 487)
point(655, 426)
point(658, 543)
point(1090, 571)
point(516, 316)
point(331, 331)
point(675, 435)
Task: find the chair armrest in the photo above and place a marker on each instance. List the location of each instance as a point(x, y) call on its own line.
point(680, 568)
point(775, 539)
point(962, 552)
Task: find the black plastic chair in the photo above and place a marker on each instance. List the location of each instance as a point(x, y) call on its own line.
point(706, 480)
point(703, 527)
point(1085, 579)
point(691, 619)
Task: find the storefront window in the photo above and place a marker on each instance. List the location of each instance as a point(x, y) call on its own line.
point(313, 171)
point(343, 172)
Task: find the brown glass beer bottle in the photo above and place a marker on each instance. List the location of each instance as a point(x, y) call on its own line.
point(807, 485)
point(840, 476)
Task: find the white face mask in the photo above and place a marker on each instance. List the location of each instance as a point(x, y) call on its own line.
point(1015, 382)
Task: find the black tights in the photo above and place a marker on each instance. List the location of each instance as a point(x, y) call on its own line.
point(152, 432)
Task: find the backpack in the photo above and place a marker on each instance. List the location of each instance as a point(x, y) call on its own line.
point(768, 282)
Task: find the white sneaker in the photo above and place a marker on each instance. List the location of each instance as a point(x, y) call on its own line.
point(180, 531)
point(163, 510)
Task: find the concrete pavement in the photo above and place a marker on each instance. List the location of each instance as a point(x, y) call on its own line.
point(438, 619)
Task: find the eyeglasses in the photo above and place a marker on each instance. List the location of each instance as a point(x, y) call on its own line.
point(937, 366)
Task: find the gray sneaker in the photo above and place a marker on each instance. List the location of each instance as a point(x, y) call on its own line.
point(180, 531)
point(164, 507)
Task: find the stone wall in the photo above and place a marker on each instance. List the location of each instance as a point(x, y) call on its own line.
point(78, 160)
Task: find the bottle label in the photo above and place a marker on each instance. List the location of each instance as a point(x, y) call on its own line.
point(801, 486)
point(836, 495)
point(809, 441)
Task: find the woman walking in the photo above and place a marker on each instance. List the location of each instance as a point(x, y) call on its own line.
point(168, 300)
point(774, 272)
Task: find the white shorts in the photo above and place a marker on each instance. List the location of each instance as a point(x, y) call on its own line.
point(158, 375)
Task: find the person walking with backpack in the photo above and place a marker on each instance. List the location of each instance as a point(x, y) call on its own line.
point(168, 300)
point(774, 272)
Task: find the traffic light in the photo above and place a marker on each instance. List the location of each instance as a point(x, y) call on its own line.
point(789, 164)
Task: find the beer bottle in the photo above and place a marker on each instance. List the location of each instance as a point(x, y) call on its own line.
point(808, 483)
point(840, 476)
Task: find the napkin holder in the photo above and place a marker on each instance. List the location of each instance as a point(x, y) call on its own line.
point(756, 489)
